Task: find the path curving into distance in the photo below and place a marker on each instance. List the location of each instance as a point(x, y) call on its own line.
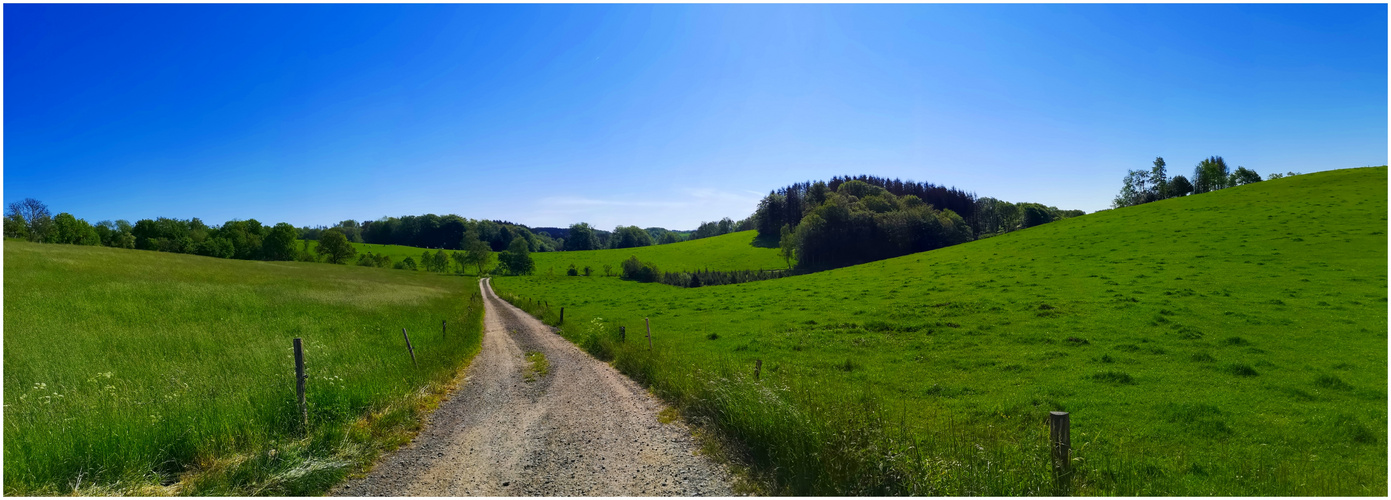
point(581, 430)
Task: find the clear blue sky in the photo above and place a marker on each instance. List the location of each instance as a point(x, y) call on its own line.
point(661, 115)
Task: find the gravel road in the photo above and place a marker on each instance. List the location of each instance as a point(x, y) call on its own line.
point(581, 430)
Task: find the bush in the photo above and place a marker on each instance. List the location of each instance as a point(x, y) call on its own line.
point(572, 271)
point(636, 270)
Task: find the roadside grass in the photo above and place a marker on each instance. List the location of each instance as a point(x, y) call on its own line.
point(1231, 343)
point(134, 372)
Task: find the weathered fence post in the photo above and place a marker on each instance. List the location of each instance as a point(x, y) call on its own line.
point(649, 333)
point(1060, 434)
point(299, 383)
point(444, 328)
point(622, 334)
point(409, 348)
point(562, 315)
point(757, 367)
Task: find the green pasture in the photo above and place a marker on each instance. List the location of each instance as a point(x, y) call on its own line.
point(1229, 343)
point(727, 252)
point(136, 372)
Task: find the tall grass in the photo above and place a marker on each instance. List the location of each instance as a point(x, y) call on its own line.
point(141, 372)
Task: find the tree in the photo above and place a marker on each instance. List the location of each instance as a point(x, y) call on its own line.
point(787, 245)
point(35, 216)
point(608, 269)
point(69, 229)
point(1210, 175)
point(477, 252)
point(1134, 190)
point(516, 259)
point(440, 261)
point(1243, 176)
point(15, 227)
point(582, 237)
point(646, 272)
point(1159, 179)
point(629, 237)
point(1035, 214)
point(279, 244)
point(1179, 186)
point(334, 246)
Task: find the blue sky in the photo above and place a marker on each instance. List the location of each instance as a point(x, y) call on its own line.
point(663, 115)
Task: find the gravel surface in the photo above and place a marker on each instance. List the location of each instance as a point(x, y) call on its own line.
point(581, 430)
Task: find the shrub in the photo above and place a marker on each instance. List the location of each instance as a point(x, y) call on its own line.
point(636, 270)
point(572, 271)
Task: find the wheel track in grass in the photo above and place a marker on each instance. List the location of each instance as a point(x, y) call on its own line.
point(582, 429)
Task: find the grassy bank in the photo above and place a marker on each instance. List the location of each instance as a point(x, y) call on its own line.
point(134, 372)
point(1231, 343)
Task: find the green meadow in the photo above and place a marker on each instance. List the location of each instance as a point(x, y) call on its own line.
point(1228, 343)
point(728, 252)
point(136, 372)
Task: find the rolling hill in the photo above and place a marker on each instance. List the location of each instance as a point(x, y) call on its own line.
point(1229, 343)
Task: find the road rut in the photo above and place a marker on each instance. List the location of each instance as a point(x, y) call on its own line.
point(581, 430)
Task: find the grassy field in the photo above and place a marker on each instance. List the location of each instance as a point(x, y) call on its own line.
point(729, 252)
point(134, 372)
point(1230, 343)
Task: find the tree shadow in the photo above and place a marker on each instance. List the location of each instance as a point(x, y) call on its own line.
point(765, 241)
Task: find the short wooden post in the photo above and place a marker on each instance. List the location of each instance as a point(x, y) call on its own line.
point(409, 348)
point(622, 333)
point(649, 333)
point(1060, 433)
point(757, 367)
point(299, 383)
point(444, 328)
point(562, 315)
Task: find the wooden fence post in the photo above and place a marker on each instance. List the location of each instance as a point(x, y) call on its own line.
point(299, 383)
point(649, 333)
point(757, 367)
point(409, 348)
point(622, 334)
point(1060, 434)
point(444, 329)
point(562, 315)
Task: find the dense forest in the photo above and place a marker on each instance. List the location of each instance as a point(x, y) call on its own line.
point(1211, 174)
point(851, 220)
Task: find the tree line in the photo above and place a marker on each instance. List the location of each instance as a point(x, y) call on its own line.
point(582, 236)
point(1211, 174)
point(249, 239)
point(849, 221)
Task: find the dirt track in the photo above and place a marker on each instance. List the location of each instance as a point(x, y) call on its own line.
point(581, 430)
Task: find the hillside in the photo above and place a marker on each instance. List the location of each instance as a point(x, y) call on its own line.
point(138, 372)
point(1229, 343)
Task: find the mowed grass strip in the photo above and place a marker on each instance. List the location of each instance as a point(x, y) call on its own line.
point(1230, 343)
point(152, 373)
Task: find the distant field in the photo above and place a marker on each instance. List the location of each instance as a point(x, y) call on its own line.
point(729, 252)
point(1230, 343)
point(126, 370)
